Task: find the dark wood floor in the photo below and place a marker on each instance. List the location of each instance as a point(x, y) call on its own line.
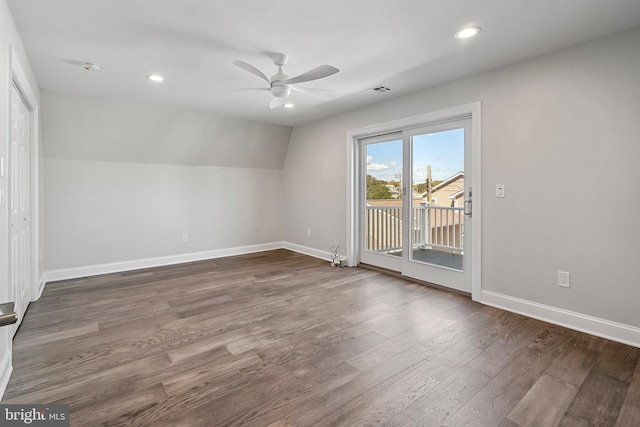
point(281, 339)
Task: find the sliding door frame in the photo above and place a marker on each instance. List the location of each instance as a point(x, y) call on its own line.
point(355, 187)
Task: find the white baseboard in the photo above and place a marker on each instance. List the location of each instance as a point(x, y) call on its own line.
point(5, 372)
point(306, 250)
point(570, 319)
point(40, 288)
point(117, 267)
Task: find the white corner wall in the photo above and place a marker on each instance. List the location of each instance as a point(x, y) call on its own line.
point(562, 132)
point(125, 181)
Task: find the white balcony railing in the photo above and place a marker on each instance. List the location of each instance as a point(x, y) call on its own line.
point(433, 227)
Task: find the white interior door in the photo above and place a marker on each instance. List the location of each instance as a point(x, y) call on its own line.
point(20, 204)
point(415, 185)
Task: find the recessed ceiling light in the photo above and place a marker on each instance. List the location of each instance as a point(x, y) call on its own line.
point(467, 32)
point(289, 105)
point(155, 77)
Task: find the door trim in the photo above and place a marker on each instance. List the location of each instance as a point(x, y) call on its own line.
point(20, 79)
point(354, 188)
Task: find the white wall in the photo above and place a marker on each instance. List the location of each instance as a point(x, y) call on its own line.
point(558, 131)
point(124, 181)
point(8, 38)
point(88, 128)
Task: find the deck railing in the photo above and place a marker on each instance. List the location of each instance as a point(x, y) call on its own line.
point(433, 227)
point(383, 228)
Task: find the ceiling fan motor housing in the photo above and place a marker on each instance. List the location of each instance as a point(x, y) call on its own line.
point(279, 59)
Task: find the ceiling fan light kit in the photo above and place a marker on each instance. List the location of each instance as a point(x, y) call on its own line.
point(281, 85)
point(280, 91)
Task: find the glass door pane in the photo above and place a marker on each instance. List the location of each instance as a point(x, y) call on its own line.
point(382, 205)
point(439, 235)
point(438, 203)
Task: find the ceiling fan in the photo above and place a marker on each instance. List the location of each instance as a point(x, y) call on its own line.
point(280, 85)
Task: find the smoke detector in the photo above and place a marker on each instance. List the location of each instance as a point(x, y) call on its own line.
point(90, 66)
point(380, 88)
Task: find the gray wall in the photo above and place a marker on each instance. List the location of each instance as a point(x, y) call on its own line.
point(124, 181)
point(559, 131)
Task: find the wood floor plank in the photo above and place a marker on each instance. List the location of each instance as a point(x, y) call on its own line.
point(282, 422)
point(446, 362)
point(280, 339)
point(124, 403)
point(389, 402)
point(56, 336)
point(630, 411)
point(573, 365)
point(545, 403)
point(325, 408)
point(492, 360)
point(394, 346)
point(464, 327)
point(618, 361)
point(599, 400)
point(574, 421)
point(435, 406)
point(79, 390)
point(204, 343)
point(500, 396)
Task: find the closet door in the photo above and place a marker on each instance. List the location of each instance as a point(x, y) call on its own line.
point(20, 204)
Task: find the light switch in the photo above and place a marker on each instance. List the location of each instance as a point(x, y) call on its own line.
point(500, 190)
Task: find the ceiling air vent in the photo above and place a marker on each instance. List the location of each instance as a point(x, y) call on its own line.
point(380, 88)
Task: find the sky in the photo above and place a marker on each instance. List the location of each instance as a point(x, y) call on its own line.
point(444, 151)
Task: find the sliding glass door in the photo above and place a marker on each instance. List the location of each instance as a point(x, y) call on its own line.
point(416, 203)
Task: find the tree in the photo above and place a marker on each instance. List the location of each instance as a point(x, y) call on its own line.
point(377, 188)
point(420, 188)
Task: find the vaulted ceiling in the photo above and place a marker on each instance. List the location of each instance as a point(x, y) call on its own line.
point(406, 45)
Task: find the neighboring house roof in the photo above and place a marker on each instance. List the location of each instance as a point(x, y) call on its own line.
point(392, 203)
point(444, 183)
point(456, 195)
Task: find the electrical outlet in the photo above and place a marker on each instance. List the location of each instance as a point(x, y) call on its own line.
point(308, 232)
point(185, 237)
point(564, 279)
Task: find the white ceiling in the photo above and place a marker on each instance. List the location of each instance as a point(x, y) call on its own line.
point(406, 45)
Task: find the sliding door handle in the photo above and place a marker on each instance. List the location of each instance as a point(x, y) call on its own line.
point(468, 208)
point(7, 314)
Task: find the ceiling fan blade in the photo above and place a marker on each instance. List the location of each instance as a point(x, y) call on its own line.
point(320, 93)
point(243, 89)
point(277, 102)
point(253, 70)
point(317, 73)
